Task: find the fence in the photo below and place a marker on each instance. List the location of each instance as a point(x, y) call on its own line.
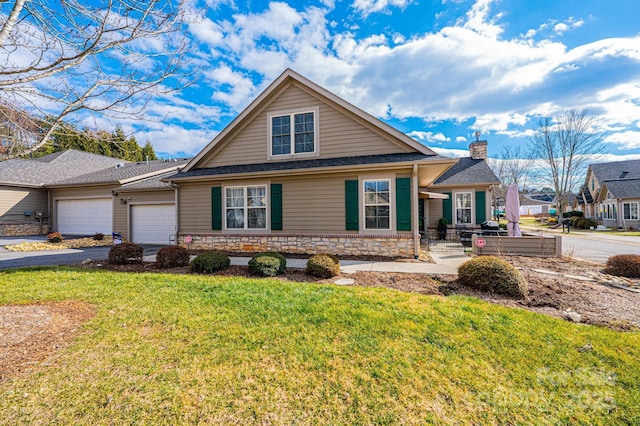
point(450, 242)
point(527, 245)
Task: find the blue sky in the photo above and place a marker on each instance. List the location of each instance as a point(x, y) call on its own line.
point(436, 70)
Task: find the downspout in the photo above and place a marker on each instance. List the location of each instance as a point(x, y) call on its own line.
point(414, 214)
point(175, 190)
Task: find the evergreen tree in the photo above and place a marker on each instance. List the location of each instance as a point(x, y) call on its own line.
point(148, 153)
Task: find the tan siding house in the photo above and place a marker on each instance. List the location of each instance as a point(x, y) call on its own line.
point(301, 170)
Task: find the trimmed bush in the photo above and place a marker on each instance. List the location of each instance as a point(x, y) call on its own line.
point(282, 262)
point(323, 266)
point(209, 262)
point(584, 223)
point(264, 266)
point(574, 213)
point(623, 265)
point(98, 236)
point(55, 238)
point(494, 275)
point(122, 254)
point(172, 257)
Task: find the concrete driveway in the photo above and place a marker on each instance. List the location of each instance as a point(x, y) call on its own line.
point(10, 259)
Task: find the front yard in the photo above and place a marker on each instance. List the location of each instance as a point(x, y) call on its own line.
point(173, 349)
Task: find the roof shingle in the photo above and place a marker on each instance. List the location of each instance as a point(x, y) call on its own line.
point(467, 171)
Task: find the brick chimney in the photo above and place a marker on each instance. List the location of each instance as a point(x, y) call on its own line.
point(478, 148)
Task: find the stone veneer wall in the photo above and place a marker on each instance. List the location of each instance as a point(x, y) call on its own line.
point(341, 244)
point(22, 229)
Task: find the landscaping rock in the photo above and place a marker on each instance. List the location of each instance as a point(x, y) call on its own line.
point(572, 316)
point(346, 281)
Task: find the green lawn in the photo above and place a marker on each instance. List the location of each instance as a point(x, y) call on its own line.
point(172, 349)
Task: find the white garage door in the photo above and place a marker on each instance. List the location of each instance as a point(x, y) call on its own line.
point(152, 223)
point(85, 217)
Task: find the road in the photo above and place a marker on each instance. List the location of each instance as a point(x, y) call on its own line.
point(596, 247)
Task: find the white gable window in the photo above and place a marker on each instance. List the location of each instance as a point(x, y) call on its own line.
point(463, 207)
point(246, 207)
point(293, 133)
point(377, 204)
point(630, 211)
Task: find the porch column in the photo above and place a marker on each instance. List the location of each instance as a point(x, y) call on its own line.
point(414, 212)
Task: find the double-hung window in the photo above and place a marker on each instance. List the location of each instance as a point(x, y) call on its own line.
point(377, 204)
point(630, 211)
point(246, 207)
point(293, 133)
point(463, 207)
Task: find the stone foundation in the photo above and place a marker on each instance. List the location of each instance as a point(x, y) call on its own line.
point(22, 229)
point(345, 244)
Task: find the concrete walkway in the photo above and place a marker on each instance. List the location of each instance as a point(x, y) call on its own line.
point(445, 264)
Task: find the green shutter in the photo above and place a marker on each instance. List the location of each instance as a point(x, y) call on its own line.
point(447, 208)
point(351, 205)
point(481, 207)
point(403, 204)
point(216, 208)
point(276, 207)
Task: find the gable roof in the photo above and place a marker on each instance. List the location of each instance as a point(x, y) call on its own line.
point(467, 171)
point(57, 166)
point(321, 163)
point(126, 173)
point(616, 170)
point(623, 188)
point(287, 76)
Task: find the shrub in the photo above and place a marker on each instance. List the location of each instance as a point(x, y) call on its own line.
point(268, 264)
point(574, 213)
point(585, 223)
point(55, 237)
point(323, 266)
point(172, 257)
point(210, 261)
point(124, 253)
point(443, 221)
point(98, 236)
point(282, 262)
point(624, 265)
point(265, 266)
point(492, 274)
point(552, 220)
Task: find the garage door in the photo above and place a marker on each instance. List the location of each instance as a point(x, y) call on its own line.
point(153, 223)
point(85, 217)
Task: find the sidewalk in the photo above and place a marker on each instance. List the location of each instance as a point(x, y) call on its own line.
point(589, 235)
point(445, 264)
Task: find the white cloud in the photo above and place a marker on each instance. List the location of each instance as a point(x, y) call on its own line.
point(629, 139)
point(457, 153)
point(367, 7)
point(429, 136)
point(461, 139)
point(175, 139)
point(562, 27)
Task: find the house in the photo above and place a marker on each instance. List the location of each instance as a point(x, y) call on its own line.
point(78, 193)
point(301, 170)
point(611, 193)
point(24, 202)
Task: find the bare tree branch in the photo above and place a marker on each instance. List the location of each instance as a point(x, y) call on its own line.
point(566, 145)
point(59, 59)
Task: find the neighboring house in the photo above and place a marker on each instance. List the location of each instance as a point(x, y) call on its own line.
point(24, 202)
point(611, 193)
point(78, 193)
point(301, 170)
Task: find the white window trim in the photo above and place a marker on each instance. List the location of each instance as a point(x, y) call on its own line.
point(455, 208)
point(365, 205)
point(246, 208)
point(637, 210)
point(316, 133)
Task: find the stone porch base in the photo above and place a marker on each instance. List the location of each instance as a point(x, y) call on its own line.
point(22, 229)
point(339, 244)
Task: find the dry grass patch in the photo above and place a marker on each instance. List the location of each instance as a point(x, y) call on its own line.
point(66, 244)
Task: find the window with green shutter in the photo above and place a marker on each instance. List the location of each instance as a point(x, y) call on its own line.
point(481, 207)
point(403, 204)
point(216, 208)
point(351, 205)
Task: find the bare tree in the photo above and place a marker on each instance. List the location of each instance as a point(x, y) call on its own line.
point(62, 57)
point(566, 145)
point(512, 166)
